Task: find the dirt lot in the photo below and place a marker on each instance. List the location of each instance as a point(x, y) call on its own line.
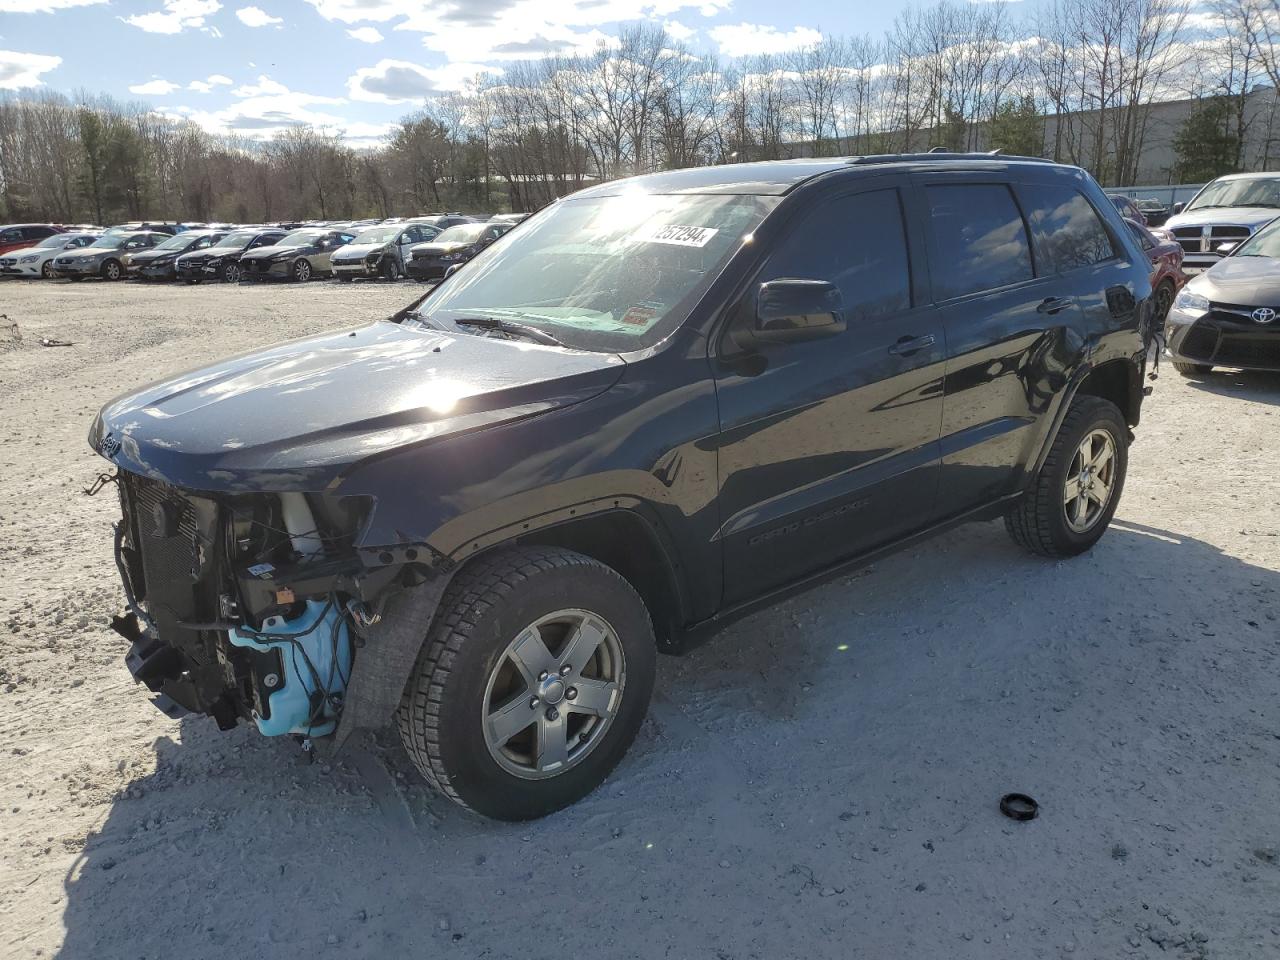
point(819, 781)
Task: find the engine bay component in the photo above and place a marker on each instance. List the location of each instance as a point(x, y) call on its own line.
point(304, 694)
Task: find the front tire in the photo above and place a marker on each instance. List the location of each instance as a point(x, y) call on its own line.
point(1163, 301)
point(46, 270)
point(1192, 369)
point(301, 271)
point(111, 270)
point(390, 271)
point(1071, 502)
point(231, 273)
point(497, 715)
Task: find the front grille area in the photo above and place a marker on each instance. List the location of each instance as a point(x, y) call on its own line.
point(1230, 340)
point(1206, 239)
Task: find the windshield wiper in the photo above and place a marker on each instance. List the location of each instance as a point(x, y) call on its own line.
point(511, 327)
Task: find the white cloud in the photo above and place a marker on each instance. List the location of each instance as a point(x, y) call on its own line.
point(678, 31)
point(489, 30)
point(154, 88)
point(44, 6)
point(366, 34)
point(267, 107)
point(208, 83)
point(398, 81)
point(748, 39)
point(256, 17)
point(175, 16)
point(18, 70)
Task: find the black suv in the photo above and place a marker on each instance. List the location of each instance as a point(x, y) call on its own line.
point(658, 404)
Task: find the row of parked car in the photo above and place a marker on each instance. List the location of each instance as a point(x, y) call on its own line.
point(423, 248)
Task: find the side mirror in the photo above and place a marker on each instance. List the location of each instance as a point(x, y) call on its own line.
point(788, 311)
point(1178, 207)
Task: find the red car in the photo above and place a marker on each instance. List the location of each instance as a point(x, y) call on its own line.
point(1165, 255)
point(15, 236)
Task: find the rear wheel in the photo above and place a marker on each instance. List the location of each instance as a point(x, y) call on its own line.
point(1192, 369)
point(532, 683)
point(1074, 496)
point(111, 270)
point(301, 270)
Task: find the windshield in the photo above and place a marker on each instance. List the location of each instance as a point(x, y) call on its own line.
point(1264, 243)
point(1238, 193)
point(606, 273)
point(378, 235)
point(180, 242)
point(300, 238)
point(236, 240)
point(57, 240)
point(110, 241)
point(464, 233)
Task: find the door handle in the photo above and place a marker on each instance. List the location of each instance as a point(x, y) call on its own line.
point(909, 345)
point(1052, 305)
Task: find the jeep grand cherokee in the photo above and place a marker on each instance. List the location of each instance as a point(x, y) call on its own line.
point(660, 403)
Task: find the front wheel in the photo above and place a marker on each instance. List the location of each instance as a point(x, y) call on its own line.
point(1163, 301)
point(46, 270)
point(390, 269)
point(301, 270)
point(111, 270)
point(231, 273)
point(1074, 496)
point(532, 683)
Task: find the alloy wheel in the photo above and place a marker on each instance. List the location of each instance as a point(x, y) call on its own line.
point(553, 694)
point(1164, 300)
point(231, 273)
point(1090, 481)
point(112, 270)
point(302, 271)
point(46, 270)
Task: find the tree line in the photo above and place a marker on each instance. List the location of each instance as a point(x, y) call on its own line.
point(962, 76)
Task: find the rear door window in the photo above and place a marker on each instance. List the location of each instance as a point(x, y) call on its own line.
point(980, 239)
point(1069, 232)
point(857, 242)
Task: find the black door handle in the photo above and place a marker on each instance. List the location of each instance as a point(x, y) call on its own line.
point(909, 345)
point(1052, 305)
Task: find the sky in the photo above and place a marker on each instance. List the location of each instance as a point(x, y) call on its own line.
point(356, 65)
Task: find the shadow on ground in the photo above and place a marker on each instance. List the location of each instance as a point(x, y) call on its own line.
point(819, 781)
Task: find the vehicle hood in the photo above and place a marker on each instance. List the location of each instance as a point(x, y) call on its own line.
point(146, 256)
point(25, 251)
point(435, 249)
point(85, 253)
point(1246, 281)
point(358, 251)
point(1245, 216)
point(199, 256)
point(299, 415)
point(266, 253)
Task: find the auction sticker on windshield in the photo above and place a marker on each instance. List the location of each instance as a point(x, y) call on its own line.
point(676, 235)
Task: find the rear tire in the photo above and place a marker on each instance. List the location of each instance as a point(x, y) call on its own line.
point(1192, 369)
point(1058, 515)
point(486, 716)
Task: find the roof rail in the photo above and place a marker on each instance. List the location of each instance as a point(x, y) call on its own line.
point(936, 154)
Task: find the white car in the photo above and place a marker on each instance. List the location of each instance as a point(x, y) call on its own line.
point(37, 261)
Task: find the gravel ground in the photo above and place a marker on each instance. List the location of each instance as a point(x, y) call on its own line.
point(818, 781)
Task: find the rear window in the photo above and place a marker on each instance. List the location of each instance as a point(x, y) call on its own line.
point(1068, 231)
point(980, 239)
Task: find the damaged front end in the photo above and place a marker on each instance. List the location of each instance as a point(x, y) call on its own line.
point(251, 606)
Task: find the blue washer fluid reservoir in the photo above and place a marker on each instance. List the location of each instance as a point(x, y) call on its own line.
point(315, 648)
